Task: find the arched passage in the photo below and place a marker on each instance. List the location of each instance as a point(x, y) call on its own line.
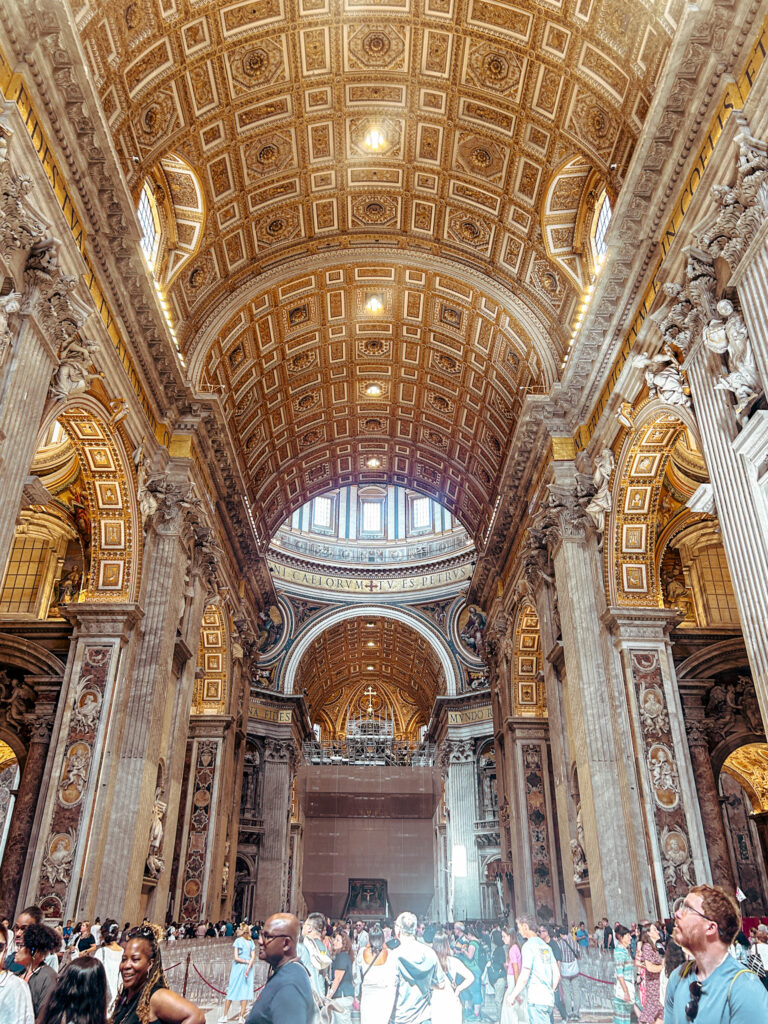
point(449, 666)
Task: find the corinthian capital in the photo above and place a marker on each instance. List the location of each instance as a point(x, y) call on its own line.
point(698, 733)
point(563, 516)
point(279, 751)
point(457, 752)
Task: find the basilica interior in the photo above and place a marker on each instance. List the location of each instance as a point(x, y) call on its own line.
point(383, 425)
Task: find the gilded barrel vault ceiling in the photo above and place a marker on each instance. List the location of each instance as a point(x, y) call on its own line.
point(497, 123)
point(356, 654)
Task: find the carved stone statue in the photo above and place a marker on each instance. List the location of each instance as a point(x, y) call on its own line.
point(155, 863)
point(664, 378)
point(9, 304)
point(71, 376)
point(678, 595)
point(17, 698)
point(601, 502)
point(729, 336)
point(225, 877)
point(580, 870)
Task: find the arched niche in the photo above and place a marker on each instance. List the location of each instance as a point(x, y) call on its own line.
point(567, 212)
point(211, 692)
point(109, 497)
point(633, 525)
point(528, 696)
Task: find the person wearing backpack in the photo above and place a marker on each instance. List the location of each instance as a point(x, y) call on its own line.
point(713, 988)
point(472, 955)
point(314, 955)
point(569, 972)
point(760, 951)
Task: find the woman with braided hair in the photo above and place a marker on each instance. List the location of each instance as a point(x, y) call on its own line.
point(145, 996)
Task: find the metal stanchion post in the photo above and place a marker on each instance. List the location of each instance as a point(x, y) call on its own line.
point(186, 975)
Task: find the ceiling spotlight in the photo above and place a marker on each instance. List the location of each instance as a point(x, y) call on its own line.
point(374, 304)
point(375, 140)
point(370, 668)
point(373, 462)
point(371, 643)
point(370, 625)
point(374, 390)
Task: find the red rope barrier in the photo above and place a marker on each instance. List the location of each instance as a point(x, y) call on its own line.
point(220, 991)
point(590, 978)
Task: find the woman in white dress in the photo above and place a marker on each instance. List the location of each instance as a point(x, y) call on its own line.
point(375, 979)
point(446, 1001)
point(110, 954)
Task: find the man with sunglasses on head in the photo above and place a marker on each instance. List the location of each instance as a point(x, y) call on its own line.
point(287, 996)
point(713, 988)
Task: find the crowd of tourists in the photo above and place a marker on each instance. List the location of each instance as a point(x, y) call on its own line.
point(700, 967)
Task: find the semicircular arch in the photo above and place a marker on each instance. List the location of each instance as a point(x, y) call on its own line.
point(490, 292)
point(448, 663)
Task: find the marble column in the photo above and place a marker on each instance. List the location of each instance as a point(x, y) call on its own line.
point(97, 671)
point(461, 799)
point(542, 593)
point(279, 768)
point(694, 695)
point(21, 411)
point(176, 724)
point(17, 843)
point(149, 709)
point(27, 355)
point(595, 704)
point(725, 346)
point(674, 831)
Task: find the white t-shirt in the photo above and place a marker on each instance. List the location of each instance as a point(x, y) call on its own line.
point(761, 948)
point(539, 959)
point(15, 1000)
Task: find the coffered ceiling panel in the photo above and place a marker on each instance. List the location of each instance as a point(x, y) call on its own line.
point(273, 102)
point(381, 654)
point(430, 130)
point(315, 387)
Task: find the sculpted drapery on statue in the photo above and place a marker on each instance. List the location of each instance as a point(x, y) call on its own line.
point(728, 336)
point(601, 502)
point(699, 309)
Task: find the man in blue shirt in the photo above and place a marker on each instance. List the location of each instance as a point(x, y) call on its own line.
point(713, 988)
point(287, 995)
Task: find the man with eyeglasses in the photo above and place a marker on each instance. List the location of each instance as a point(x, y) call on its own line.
point(287, 996)
point(713, 988)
